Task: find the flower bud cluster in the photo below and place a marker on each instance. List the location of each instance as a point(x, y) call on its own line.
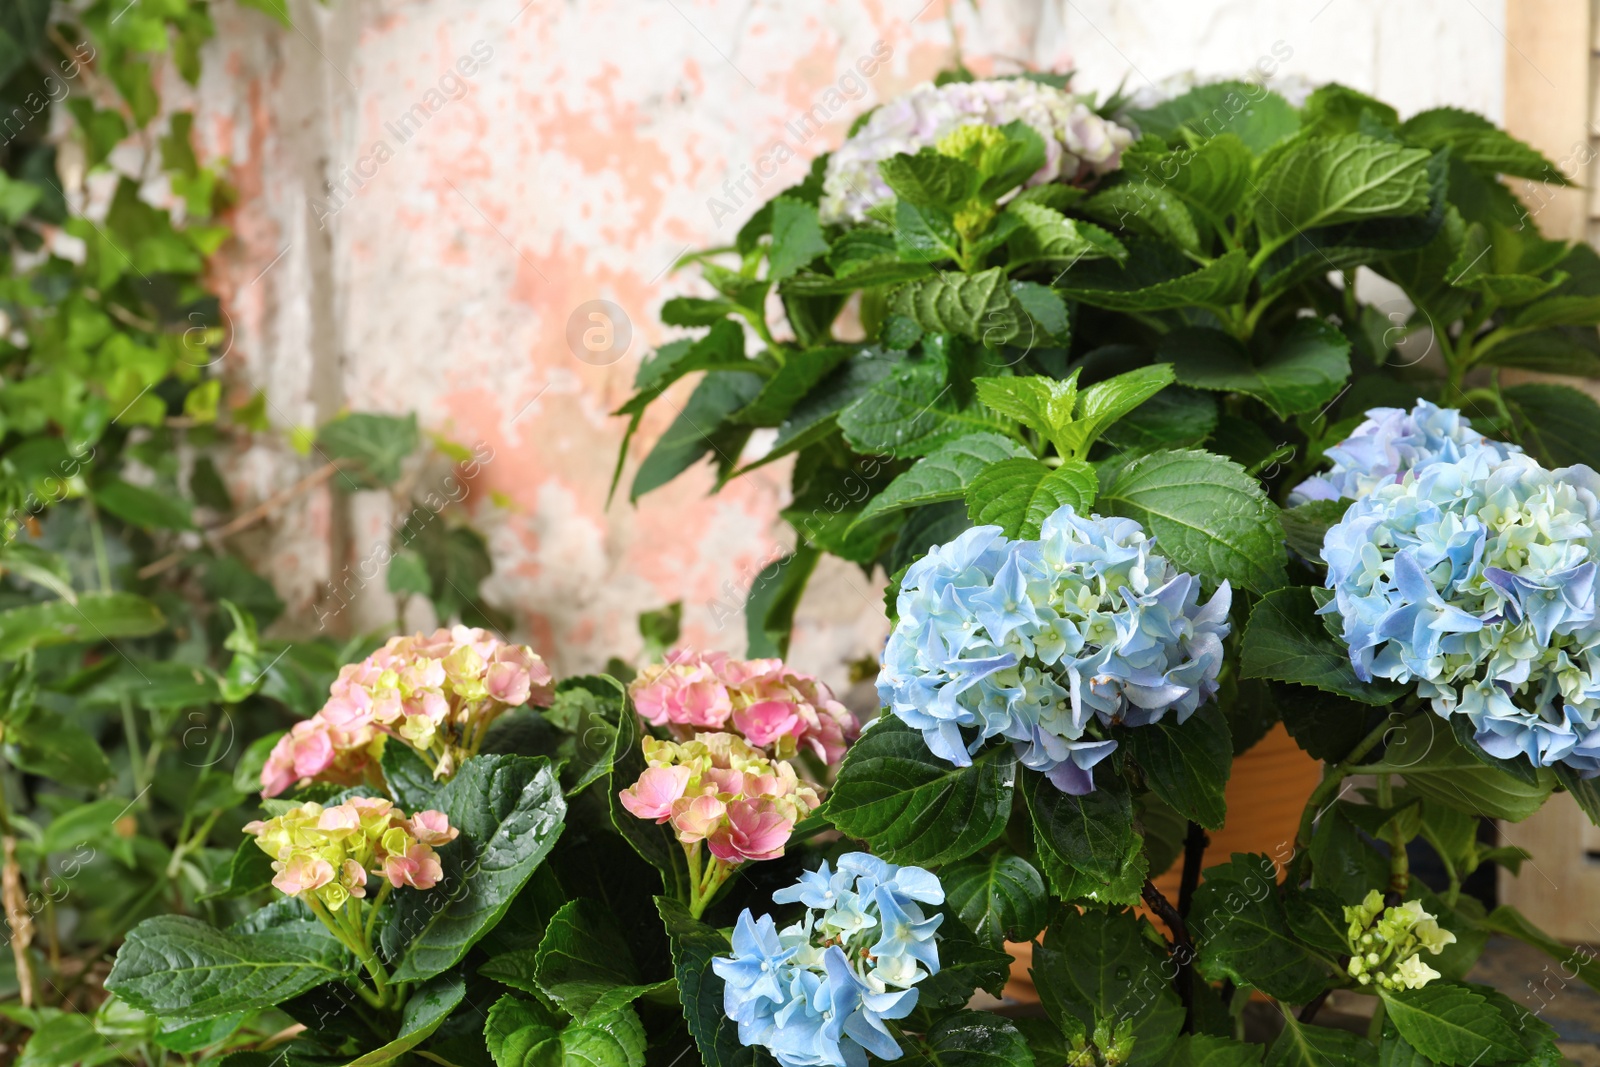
point(717, 789)
point(436, 693)
point(328, 852)
point(1386, 943)
point(770, 704)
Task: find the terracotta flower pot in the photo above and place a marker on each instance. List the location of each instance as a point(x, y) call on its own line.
point(1266, 794)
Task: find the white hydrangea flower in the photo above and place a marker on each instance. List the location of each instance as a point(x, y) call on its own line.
point(1075, 138)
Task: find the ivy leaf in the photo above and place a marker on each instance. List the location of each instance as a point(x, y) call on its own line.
point(1147, 207)
point(913, 806)
point(1087, 846)
point(1047, 236)
point(1302, 371)
point(584, 963)
point(372, 446)
point(1242, 932)
point(694, 944)
point(1301, 1045)
point(976, 306)
point(1450, 1024)
point(1103, 403)
point(509, 810)
point(1000, 897)
point(1349, 178)
point(796, 237)
point(1100, 965)
point(22, 27)
point(972, 1039)
point(1019, 494)
point(427, 1007)
point(943, 474)
point(94, 617)
point(1208, 516)
point(1151, 284)
point(1287, 642)
point(1186, 765)
point(929, 179)
point(144, 508)
point(178, 967)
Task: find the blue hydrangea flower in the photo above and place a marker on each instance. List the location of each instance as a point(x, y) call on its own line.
point(818, 993)
point(1036, 642)
point(1476, 579)
point(1391, 442)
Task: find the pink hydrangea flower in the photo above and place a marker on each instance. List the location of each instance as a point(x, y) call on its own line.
point(433, 828)
point(755, 829)
point(436, 692)
point(652, 796)
point(418, 868)
point(686, 691)
point(694, 818)
point(303, 874)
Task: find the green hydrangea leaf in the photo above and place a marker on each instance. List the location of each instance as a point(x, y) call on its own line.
point(913, 806)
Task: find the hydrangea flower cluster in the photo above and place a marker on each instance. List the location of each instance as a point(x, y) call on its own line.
point(818, 992)
point(718, 791)
point(436, 693)
point(770, 704)
point(1386, 943)
point(1477, 580)
point(1390, 442)
point(1037, 641)
point(328, 852)
point(1075, 138)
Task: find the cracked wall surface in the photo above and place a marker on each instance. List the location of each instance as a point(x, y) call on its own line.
point(430, 188)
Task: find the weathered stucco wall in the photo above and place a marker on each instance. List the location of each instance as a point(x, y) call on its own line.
point(431, 189)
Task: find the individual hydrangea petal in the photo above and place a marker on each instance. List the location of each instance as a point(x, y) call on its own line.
point(1045, 642)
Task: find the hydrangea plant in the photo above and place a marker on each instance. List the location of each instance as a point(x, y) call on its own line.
point(1080, 378)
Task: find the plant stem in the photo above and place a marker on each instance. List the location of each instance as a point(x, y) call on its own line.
point(1182, 947)
point(1375, 1028)
point(372, 919)
point(1195, 842)
point(1399, 860)
point(102, 563)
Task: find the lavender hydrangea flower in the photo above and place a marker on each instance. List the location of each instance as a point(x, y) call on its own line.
point(1075, 138)
point(1032, 641)
point(1390, 442)
point(818, 992)
point(1476, 579)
